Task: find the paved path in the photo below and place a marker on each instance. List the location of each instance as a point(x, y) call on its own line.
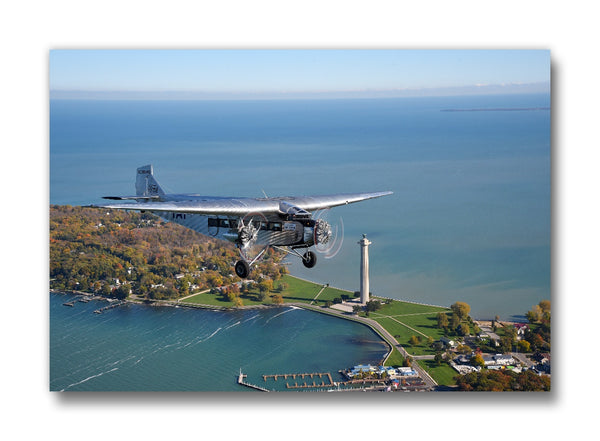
point(318, 294)
point(192, 295)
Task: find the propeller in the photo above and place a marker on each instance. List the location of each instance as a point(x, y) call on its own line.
point(328, 239)
point(248, 230)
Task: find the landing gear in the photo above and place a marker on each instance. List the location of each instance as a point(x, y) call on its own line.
point(309, 259)
point(242, 269)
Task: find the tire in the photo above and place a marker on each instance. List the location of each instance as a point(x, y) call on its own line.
point(309, 259)
point(242, 269)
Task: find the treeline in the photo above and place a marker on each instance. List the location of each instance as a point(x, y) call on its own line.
point(505, 380)
point(114, 253)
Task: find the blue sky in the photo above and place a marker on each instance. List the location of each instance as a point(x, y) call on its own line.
point(295, 73)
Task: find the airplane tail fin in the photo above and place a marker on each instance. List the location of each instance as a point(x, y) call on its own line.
point(145, 184)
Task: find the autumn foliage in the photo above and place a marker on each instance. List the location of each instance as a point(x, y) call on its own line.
point(99, 250)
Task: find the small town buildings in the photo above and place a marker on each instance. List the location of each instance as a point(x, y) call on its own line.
point(448, 342)
point(406, 371)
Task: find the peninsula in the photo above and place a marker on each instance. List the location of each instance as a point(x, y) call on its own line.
point(138, 258)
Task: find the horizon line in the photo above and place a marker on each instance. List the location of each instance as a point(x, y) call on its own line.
point(173, 94)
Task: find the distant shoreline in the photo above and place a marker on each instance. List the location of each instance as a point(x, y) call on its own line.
point(498, 109)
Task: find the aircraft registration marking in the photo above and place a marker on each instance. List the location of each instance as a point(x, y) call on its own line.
point(289, 226)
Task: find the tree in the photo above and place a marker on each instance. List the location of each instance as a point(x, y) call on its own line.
point(477, 360)
point(265, 285)
point(535, 314)
point(545, 305)
point(277, 299)
point(454, 321)
point(122, 292)
point(461, 309)
point(524, 346)
point(414, 340)
point(442, 320)
point(463, 329)
point(373, 305)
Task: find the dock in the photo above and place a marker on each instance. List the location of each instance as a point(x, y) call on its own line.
point(111, 306)
point(251, 386)
point(319, 379)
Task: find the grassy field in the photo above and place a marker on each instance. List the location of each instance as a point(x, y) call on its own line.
point(443, 374)
point(297, 291)
point(403, 320)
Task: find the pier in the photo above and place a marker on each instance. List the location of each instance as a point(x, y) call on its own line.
point(111, 306)
point(251, 386)
point(320, 379)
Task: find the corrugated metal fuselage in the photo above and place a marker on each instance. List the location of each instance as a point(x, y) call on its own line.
point(274, 230)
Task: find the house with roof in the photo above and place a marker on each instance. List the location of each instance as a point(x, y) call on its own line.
point(522, 329)
point(448, 342)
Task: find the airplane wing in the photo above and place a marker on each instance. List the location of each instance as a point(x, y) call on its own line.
point(232, 206)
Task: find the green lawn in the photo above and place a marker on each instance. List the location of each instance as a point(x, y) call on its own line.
point(398, 307)
point(298, 290)
point(396, 359)
point(220, 301)
point(403, 320)
point(443, 374)
point(302, 291)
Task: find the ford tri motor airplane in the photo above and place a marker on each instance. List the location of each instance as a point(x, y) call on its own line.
point(253, 224)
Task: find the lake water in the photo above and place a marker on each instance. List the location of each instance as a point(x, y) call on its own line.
point(146, 348)
point(469, 219)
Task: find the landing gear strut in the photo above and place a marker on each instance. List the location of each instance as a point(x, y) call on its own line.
point(309, 259)
point(242, 269)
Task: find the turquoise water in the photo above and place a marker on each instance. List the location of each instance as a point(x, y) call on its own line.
point(145, 348)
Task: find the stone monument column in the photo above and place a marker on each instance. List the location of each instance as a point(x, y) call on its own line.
point(364, 269)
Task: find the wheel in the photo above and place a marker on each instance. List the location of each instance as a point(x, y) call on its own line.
point(309, 259)
point(242, 269)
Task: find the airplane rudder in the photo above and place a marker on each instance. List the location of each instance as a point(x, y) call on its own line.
point(145, 184)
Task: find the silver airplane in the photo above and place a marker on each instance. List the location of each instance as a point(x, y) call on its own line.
point(253, 224)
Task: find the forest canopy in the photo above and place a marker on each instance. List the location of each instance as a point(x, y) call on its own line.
point(113, 253)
